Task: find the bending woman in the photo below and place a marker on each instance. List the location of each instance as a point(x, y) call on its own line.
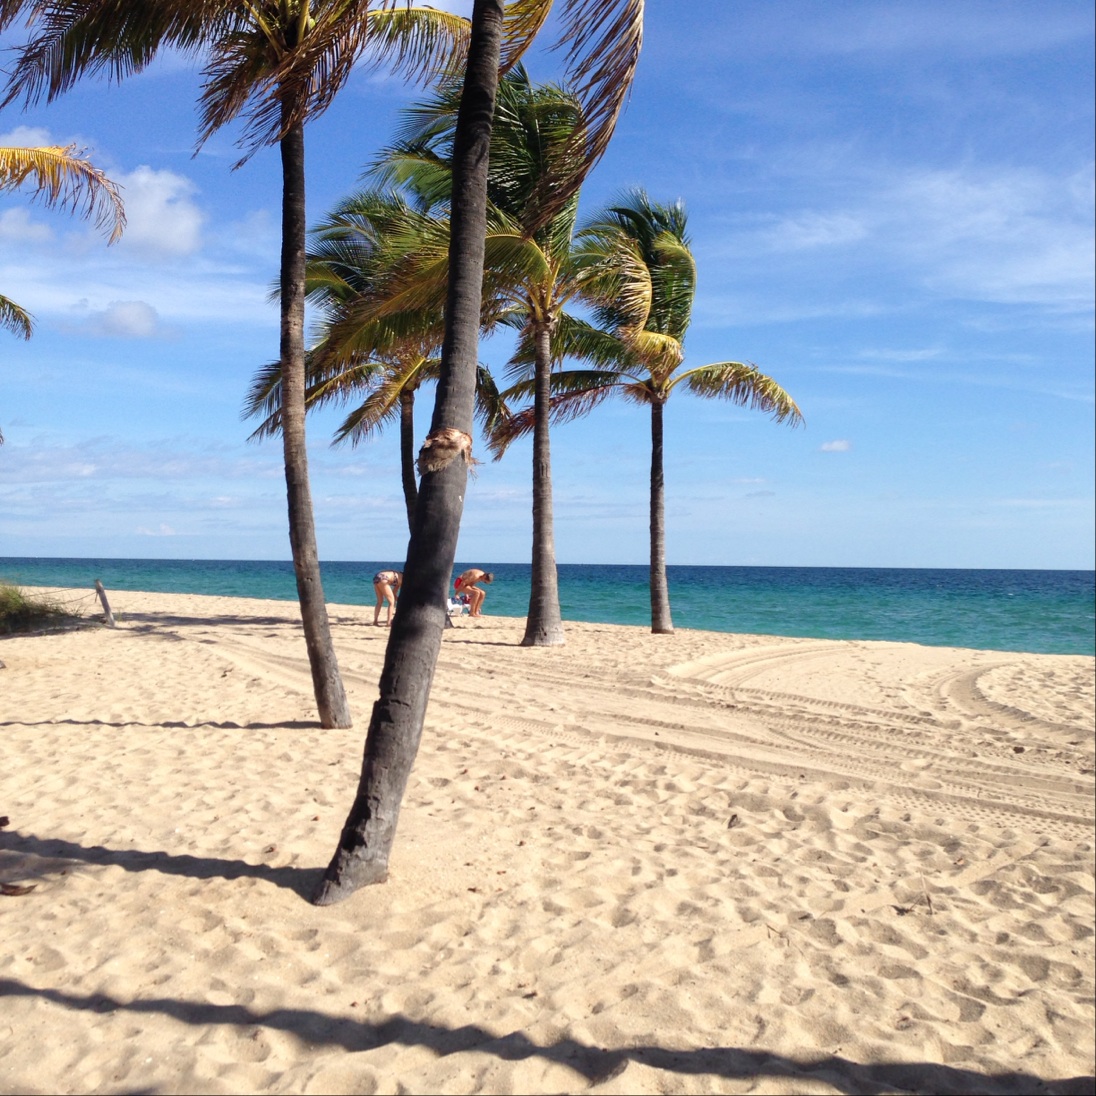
point(386, 585)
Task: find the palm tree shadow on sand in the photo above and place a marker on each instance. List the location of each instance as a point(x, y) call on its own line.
point(595, 1064)
point(54, 855)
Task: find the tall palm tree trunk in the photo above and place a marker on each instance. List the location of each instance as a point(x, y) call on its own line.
point(661, 624)
point(407, 454)
point(327, 684)
point(543, 625)
point(395, 728)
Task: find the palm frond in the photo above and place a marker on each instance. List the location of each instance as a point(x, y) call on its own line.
point(491, 404)
point(278, 64)
point(573, 338)
point(113, 37)
point(382, 403)
point(523, 22)
point(417, 41)
point(14, 318)
point(63, 179)
point(574, 393)
point(601, 40)
point(745, 385)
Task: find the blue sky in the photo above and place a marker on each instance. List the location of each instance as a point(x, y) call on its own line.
point(891, 207)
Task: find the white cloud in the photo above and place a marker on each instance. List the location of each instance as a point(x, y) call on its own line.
point(17, 227)
point(26, 137)
point(162, 220)
point(125, 319)
point(162, 530)
point(838, 446)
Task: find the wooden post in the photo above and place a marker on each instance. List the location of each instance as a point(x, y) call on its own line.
point(106, 605)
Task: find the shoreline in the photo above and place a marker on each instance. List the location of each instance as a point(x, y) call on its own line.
point(88, 597)
point(635, 863)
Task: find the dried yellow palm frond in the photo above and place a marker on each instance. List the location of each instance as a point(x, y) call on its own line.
point(62, 178)
point(660, 354)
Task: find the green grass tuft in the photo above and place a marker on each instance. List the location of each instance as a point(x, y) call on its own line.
point(22, 613)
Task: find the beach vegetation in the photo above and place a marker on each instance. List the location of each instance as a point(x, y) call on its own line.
point(22, 612)
point(277, 65)
point(603, 39)
point(638, 274)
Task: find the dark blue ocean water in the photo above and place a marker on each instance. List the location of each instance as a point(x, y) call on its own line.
point(1049, 612)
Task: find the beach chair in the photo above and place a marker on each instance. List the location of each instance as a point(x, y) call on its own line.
point(456, 607)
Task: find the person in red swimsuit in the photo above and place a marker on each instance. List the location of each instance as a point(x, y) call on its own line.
point(467, 583)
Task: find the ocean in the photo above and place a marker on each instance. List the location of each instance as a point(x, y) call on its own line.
point(1044, 612)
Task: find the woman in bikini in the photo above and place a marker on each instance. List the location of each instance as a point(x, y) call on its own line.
point(386, 585)
point(466, 583)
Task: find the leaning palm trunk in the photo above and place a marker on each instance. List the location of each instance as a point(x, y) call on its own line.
point(395, 728)
point(330, 695)
point(543, 626)
point(661, 624)
point(407, 455)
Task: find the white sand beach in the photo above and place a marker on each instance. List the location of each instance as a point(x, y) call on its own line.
point(703, 863)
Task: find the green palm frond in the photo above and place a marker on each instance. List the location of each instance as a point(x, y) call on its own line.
point(573, 338)
point(287, 72)
point(575, 393)
point(15, 319)
point(601, 40)
point(613, 277)
point(264, 398)
point(418, 41)
point(745, 385)
point(491, 405)
point(381, 405)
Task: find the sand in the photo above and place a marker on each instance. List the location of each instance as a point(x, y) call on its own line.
point(634, 864)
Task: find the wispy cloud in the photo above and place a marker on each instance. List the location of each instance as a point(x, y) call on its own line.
point(109, 459)
point(841, 445)
point(875, 32)
point(990, 233)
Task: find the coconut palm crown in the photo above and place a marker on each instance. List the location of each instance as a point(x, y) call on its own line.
point(377, 366)
point(639, 276)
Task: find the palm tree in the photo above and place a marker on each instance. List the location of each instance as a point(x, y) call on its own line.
point(60, 177)
point(529, 273)
point(604, 38)
point(640, 277)
point(379, 364)
point(279, 63)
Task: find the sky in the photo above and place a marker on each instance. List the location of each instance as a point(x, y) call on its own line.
point(891, 210)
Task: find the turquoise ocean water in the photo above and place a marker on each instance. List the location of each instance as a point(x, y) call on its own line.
point(1048, 612)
